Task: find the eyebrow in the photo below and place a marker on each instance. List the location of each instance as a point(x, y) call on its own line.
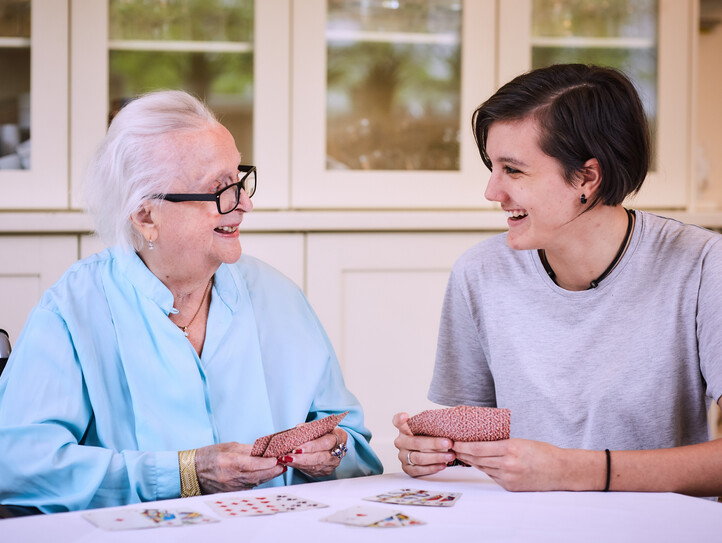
point(514, 161)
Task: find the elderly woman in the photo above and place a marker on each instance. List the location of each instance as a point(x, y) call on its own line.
point(148, 370)
point(600, 327)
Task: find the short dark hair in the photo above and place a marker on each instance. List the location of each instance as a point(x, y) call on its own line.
point(583, 112)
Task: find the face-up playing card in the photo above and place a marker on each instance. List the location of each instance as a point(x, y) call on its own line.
point(162, 517)
point(194, 517)
point(136, 519)
point(287, 502)
point(399, 520)
point(413, 496)
point(360, 515)
point(119, 519)
point(244, 507)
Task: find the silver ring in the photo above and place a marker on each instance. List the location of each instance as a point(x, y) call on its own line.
point(408, 459)
point(340, 449)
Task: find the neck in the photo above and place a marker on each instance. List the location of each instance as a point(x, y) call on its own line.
point(600, 241)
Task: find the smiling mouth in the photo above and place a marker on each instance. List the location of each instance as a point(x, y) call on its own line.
point(515, 214)
point(227, 229)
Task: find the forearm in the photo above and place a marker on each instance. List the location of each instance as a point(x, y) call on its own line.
point(694, 469)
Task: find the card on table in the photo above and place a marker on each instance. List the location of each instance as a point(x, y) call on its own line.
point(413, 496)
point(119, 519)
point(137, 519)
point(244, 507)
point(360, 515)
point(287, 502)
point(398, 520)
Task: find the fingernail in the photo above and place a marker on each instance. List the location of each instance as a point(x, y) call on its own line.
point(286, 459)
point(298, 451)
point(285, 469)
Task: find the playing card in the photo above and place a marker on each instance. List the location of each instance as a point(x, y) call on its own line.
point(162, 517)
point(119, 519)
point(360, 515)
point(287, 502)
point(463, 423)
point(244, 507)
point(399, 520)
point(286, 441)
point(413, 496)
point(194, 517)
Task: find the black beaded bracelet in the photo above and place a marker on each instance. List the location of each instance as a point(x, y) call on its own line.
point(609, 468)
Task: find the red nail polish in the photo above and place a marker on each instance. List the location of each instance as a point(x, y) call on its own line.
point(287, 459)
point(285, 469)
point(298, 451)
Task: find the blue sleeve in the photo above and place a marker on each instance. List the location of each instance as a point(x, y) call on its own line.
point(47, 431)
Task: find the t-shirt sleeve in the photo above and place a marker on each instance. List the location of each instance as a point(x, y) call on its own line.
point(461, 373)
point(709, 320)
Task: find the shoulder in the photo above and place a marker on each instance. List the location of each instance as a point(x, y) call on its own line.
point(80, 280)
point(492, 255)
point(664, 233)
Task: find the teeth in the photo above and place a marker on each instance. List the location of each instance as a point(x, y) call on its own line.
point(229, 229)
point(515, 214)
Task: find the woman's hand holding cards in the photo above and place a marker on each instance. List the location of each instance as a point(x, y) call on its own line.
point(229, 466)
point(421, 455)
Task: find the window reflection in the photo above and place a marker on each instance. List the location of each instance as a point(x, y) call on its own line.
point(615, 33)
point(202, 46)
point(15, 90)
point(393, 84)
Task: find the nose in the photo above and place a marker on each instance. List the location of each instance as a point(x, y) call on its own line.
point(494, 191)
point(244, 202)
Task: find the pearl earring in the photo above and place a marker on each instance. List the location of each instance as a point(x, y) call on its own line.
point(150, 245)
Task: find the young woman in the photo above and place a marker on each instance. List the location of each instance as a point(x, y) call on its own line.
point(600, 327)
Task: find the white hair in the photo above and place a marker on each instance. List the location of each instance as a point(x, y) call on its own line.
point(127, 167)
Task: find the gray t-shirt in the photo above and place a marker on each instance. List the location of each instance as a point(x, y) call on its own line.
point(632, 364)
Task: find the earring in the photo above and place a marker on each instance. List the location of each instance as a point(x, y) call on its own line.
point(583, 199)
point(150, 244)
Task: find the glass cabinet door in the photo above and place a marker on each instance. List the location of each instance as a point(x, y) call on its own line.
point(209, 48)
point(649, 40)
point(383, 97)
point(33, 104)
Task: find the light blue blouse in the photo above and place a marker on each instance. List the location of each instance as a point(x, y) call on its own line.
point(102, 389)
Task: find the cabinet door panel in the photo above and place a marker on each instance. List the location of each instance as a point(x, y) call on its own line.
point(29, 266)
point(379, 69)
point(379, 298)
point(667, 97)
point(43, 184)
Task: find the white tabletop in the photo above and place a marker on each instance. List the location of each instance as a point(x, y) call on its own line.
point(484, 513)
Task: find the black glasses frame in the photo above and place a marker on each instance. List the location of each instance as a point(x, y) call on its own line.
point(247, 170)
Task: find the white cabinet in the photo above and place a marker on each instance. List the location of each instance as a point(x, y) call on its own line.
point(40, 180)
point(30, 265)
point(379, 298)
point(615, 34)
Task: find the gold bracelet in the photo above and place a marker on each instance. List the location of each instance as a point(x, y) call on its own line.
point(188, 476)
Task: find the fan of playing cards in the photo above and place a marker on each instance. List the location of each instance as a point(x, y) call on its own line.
point(285, 442)
point(463, 423)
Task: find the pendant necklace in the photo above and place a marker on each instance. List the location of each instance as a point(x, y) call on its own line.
point(184, 329)
point(617, 258)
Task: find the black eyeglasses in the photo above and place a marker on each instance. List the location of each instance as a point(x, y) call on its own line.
point(227, 198)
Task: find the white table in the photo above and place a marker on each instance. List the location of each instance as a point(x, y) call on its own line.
point(485, 513)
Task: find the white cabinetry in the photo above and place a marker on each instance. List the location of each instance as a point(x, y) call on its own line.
point(379, 298)
point(29, 265)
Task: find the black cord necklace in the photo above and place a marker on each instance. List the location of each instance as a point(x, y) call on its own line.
point(620, 254)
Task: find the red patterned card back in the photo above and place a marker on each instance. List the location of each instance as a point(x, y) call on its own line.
point(285, 442)
point(463, 423)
